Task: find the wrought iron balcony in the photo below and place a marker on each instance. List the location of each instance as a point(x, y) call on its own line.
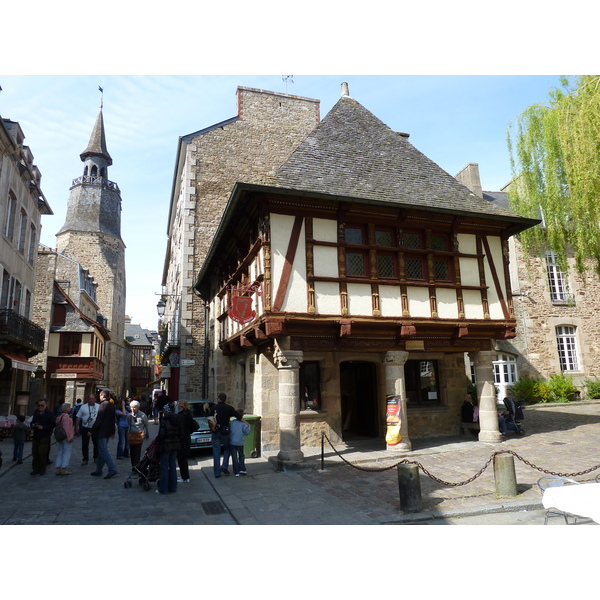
point(96, 180)
point(16, 329)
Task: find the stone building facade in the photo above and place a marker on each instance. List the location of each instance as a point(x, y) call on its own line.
point(91, 236)
point(73, 359)
point(267, 128)
point(557, 326)
point(22, 205)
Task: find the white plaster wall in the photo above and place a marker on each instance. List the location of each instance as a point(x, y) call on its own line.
point(447, 306)
point(296, 295)
point(389, 301)
point(496, 311)
point(325, 230)
point(359, 299)
point(327, 298)
point(418, 302)
point(473, 305)
point(325, 260)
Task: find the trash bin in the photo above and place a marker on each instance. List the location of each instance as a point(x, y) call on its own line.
point(252, 440)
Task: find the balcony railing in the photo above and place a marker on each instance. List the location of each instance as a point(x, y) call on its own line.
point(96, 180)
point(17, 329)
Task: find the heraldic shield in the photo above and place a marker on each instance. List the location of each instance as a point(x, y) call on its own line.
point(241, 309)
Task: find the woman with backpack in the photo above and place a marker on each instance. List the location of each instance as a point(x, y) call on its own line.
point(169, 443)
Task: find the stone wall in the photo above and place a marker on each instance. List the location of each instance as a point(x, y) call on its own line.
point(537, 318)
point(269, 127)
point(104, 256)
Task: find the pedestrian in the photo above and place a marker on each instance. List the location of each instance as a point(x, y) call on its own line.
point(103, 430)
point(145, 406)
point(122, 411)
point(238, 430)
point(75, 410)
point(187, 425)
point(86, 417)
point(138, 432)
point(19, 435)
point(161, 402)
point(64, 447)
point(155, 408)
point(169, 440)
point(222, 413)
point(42, 423)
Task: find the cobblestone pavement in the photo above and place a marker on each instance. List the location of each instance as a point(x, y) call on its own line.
point(563, 439)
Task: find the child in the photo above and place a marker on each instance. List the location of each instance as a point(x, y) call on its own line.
point(19, 434)
point(238, 428)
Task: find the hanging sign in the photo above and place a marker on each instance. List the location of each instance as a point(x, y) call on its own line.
point(241, 306)
point(241, 309)
point(393, 420)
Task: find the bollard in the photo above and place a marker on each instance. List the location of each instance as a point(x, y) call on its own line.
point(504, 474)
point(410, 488)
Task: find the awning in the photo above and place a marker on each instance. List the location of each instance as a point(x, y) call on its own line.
point(18, 362)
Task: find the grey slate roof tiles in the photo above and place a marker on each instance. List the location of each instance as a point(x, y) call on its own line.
point(353, 154)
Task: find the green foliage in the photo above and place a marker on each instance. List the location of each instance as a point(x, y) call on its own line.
point(531, 390)
point(559, 388)
point(562, 388)
point(592, 388)
point(555, 158)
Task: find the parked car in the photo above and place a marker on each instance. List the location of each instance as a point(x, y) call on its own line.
point(200, 410)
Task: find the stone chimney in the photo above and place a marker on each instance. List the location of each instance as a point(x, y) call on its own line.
point(469, 177)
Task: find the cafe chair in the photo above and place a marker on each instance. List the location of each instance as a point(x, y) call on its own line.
point(555, 481)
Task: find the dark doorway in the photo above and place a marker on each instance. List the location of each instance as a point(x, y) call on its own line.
point(358, 391)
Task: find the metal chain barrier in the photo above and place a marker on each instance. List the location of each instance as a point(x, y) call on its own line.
point(406, 461)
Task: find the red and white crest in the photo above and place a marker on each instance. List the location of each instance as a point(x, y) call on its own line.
point(241, 309)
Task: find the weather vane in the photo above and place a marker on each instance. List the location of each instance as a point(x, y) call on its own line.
point(101, 97)
point(287, 78)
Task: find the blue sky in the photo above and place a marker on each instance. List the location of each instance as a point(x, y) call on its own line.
point(452, 119)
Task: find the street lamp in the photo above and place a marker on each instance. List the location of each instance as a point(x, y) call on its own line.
point(160, 307)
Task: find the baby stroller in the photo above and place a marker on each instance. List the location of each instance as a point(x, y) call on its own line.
point(514, 415)
point(147, 471)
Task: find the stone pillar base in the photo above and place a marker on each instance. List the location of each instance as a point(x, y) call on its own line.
point(290, 456)
point(490, 436)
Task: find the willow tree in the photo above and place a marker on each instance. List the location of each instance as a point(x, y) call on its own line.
point(555, 160)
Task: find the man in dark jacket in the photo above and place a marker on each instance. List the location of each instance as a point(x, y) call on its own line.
point(102, 430)
point(42, 423)
point(169, 440)
point(220, 438)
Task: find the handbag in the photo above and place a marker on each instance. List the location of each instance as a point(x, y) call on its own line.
point(60, 435)
point(135, 438)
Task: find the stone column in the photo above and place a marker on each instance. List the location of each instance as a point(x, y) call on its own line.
point(486, 393)
point(288, 365)
point(394, 385)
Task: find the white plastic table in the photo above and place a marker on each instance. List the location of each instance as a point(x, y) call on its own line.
point(580, 500)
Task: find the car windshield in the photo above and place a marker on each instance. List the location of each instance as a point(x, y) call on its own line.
point(200, 409)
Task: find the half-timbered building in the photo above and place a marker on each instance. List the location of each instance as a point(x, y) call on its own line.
point(343, 290)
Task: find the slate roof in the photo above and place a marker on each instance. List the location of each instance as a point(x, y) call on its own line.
point(137, 336)
point(353, 154)
point(97, 143)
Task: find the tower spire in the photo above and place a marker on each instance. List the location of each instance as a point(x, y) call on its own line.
point(97, 143)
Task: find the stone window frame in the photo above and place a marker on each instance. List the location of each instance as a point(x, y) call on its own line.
point(558, 284)
point(566, 344)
